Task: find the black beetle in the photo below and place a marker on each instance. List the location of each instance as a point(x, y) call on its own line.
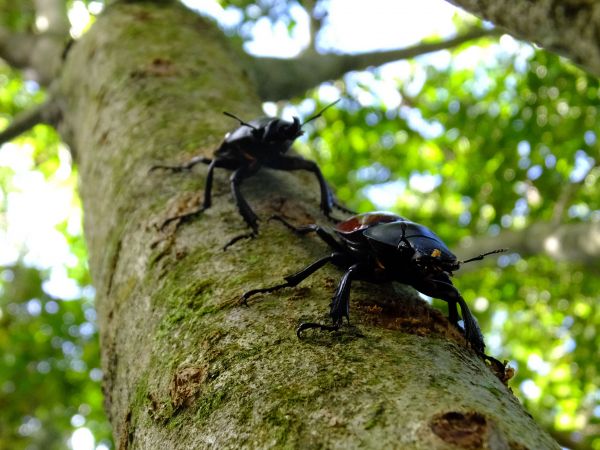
point(381, 247)
point(260, 142)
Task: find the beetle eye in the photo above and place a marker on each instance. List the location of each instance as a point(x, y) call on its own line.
point(293, 130)
point(284, 130)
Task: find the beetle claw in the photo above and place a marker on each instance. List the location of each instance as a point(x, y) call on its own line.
point(307, 325)
point(181, 218)
point(240, 237)
point(171, 168)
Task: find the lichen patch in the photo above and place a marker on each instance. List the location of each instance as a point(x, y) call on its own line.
point(465, 430)
point(186, 384)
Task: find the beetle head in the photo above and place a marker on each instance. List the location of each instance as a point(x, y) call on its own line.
point(292, 130)
point(279, 130)
point(434, 262)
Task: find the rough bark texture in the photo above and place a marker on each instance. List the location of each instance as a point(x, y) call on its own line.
point(568, 27)
point(187, 367)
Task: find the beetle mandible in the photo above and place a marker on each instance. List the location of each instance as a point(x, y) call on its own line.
point(381, 247)
point(257, 143)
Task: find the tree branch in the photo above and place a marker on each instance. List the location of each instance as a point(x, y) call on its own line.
point(565, 439)
point(315, 24)
point(16, 48)
point(578, 242)
point(54, 14)
point(567, 195)
point(42, 53)
point(284, 78)
point(44, 113)
point(563, 200)
point(568, 27)
point(46, 57)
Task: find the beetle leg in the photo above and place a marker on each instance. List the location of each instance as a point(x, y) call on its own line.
point(294, 279)
point(183, 167)
point(207, 197)
point(444, 290)
point(340, 305)
point(296, 163)
point(246, 212)
point(321, 232)
point(307, 325)
point(341, 207)
point(453, 316)
point(239, 237)
point(236, 180)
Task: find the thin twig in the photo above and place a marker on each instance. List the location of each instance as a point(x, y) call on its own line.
point(280, 78)
point(43, 113)
point(566, 196)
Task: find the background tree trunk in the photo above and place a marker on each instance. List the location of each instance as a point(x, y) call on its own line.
point(185, 366)
point(567, 27)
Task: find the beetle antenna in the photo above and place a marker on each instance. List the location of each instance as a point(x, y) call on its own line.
point(319, 113)
point(244, 124)
point(483, 255)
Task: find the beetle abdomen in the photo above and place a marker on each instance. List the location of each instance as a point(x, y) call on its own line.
point(366, 220)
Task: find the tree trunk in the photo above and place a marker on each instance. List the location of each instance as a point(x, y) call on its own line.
point(185, 366)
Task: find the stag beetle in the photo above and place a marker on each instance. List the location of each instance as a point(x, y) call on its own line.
point(260, 142)
point(381, 247)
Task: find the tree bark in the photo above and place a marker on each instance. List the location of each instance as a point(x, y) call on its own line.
point(185, 366)
point(568, 27)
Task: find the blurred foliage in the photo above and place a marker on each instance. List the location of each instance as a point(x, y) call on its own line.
point(465, 149)
point(17, 16)
point(16, 95)
point(49, 375)
point(49, 353)
point(490, 149)
point(272, 10)
point(473, 151)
